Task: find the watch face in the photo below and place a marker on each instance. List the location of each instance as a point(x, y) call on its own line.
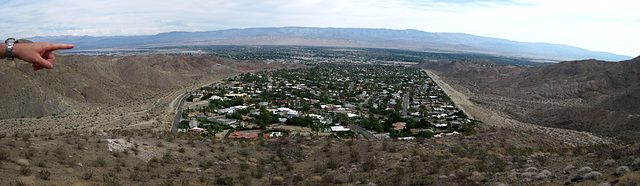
point(10, 40)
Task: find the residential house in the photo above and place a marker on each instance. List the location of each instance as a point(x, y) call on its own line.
point(398, 125)
point(339, 129)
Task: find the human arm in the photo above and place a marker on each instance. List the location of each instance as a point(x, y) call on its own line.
point(40, 54)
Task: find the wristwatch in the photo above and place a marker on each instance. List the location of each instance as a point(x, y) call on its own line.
point(10, 43)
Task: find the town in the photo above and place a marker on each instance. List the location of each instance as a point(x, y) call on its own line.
point(343, 100)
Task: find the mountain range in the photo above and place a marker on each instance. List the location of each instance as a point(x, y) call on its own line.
point(342, 37)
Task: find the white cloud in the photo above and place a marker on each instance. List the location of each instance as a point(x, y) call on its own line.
point(605, 26)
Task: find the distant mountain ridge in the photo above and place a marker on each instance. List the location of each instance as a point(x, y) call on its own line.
point(347, 37)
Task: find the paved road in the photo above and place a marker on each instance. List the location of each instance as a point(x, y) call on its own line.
point(178, 118)
point(364, 132)
point(405, 103)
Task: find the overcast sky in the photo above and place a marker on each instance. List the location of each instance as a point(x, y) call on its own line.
point(611, 26)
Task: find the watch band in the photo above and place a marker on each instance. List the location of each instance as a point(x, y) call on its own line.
point(9, 51)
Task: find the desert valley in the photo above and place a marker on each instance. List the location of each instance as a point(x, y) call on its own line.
point(342, 112)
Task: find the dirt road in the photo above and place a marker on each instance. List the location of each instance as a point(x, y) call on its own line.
point(495, 118)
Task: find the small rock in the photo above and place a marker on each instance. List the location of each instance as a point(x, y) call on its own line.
point(609, 162)
point(604, 184)
point(622, 170)
point(594, 175)
point(585, 169)
point(443, 177)
point(531, 169)
point(540, 176)
point(528, 174)
point(371, 184)
point(278, 178)
point(477, 177)
point(568, 168)
point(316, 178)
point(546, 172)
point(305, 147)
point(79, 164)
point(636, 162)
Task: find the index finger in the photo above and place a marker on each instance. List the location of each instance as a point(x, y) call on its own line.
point(57, 46)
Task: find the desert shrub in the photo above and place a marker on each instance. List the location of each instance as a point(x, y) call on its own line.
point(349, 143)
point(328, 178)
point(288, 165)
point(244, 167)
point(354, 155)
point(25, 170)
point(41, 164)
point(167, 158)
point(630, 179)
point(87, 175)
point(111, 181)
point(136, 176)
point(99, 162)
point(3, 155)
point(207, 164)
point(477, 177)
point(29, 153)
point(224, 180)
point(259, 172)
point(384, 145)
point(176, 171)
point(44, 174)
point(332, 163)
point(25, 181)
point(369, 164)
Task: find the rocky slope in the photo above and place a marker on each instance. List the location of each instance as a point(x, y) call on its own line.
point(83, 82)
point(588, 95)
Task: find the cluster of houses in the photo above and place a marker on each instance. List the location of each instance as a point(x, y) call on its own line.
point(332, 94)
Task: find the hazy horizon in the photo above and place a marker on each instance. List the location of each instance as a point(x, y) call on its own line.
point(609, 27)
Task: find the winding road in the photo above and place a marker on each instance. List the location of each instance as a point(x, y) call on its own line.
point(364, 132)
point(178, 118)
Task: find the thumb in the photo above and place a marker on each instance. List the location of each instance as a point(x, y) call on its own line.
point(44, 63)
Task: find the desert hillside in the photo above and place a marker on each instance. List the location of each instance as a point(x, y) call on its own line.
point(83, 82)
point(588, 95)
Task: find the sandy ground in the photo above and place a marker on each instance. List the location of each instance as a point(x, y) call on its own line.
point(494, 118)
